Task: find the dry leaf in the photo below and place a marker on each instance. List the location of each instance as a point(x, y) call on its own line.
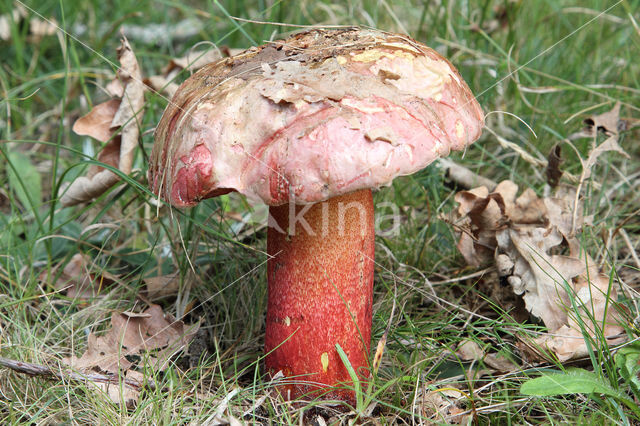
point(442, 404)
point(162, 286)
point(553, 171)
point(500, 363)
point(609, 122)
point(469, 350)
point(567, 342)
point(79, 280)
point(523, 235)
point(193, 61)
point(161, 84)
point(477, 241)
point(538, 276)
point(611, 144)
point(134, 335)
point(119, 151)
point(462, 176)
point(97, 123)
point(122, 393)
point(115, 88)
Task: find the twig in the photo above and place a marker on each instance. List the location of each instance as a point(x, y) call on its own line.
point(43, 371)
point(465, 177)
point(464, 277)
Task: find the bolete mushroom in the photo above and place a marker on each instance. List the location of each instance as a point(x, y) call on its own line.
point(309, 125)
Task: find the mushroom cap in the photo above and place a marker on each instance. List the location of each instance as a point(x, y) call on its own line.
point(319, 114)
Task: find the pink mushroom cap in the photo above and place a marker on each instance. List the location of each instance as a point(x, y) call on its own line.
point(319, 114)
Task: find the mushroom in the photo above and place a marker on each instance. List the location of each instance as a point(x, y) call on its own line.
point(310, 125)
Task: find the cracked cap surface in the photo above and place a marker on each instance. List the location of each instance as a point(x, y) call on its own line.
point(319, 114)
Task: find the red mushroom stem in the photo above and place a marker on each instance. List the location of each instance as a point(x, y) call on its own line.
point(320, 277)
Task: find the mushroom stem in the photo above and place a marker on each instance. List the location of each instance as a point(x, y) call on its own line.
point(320, 275)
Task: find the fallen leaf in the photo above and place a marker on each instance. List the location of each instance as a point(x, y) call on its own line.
point(119, 151)
point(134, 335)
point(79, 279)
point(553, 171)
point(607, 122)
point(523, 235)
point(469, 350)
point(499, 362)
point(115, 88)
point(122, 393)
point(481, 218)
point(567, 342)
point(131, 108)
point(538, 276)
point(161, 84)
point(442, 403)
point(611, 144)
point(193, 61)
point(97, 123)
point(162, 286)
point(462, 176)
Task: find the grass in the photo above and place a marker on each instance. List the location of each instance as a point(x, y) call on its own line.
point(547, 63)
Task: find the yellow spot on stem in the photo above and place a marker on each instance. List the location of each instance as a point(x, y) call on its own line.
point(324, 359)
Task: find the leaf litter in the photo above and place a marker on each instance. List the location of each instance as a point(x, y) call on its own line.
point(524, 235)
point(132, 334)
point(152, 337)
point(534, 243)
point(608, 123)
point(82, 280)
point(194, 60)
point(117, 124)
point(78, 279)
